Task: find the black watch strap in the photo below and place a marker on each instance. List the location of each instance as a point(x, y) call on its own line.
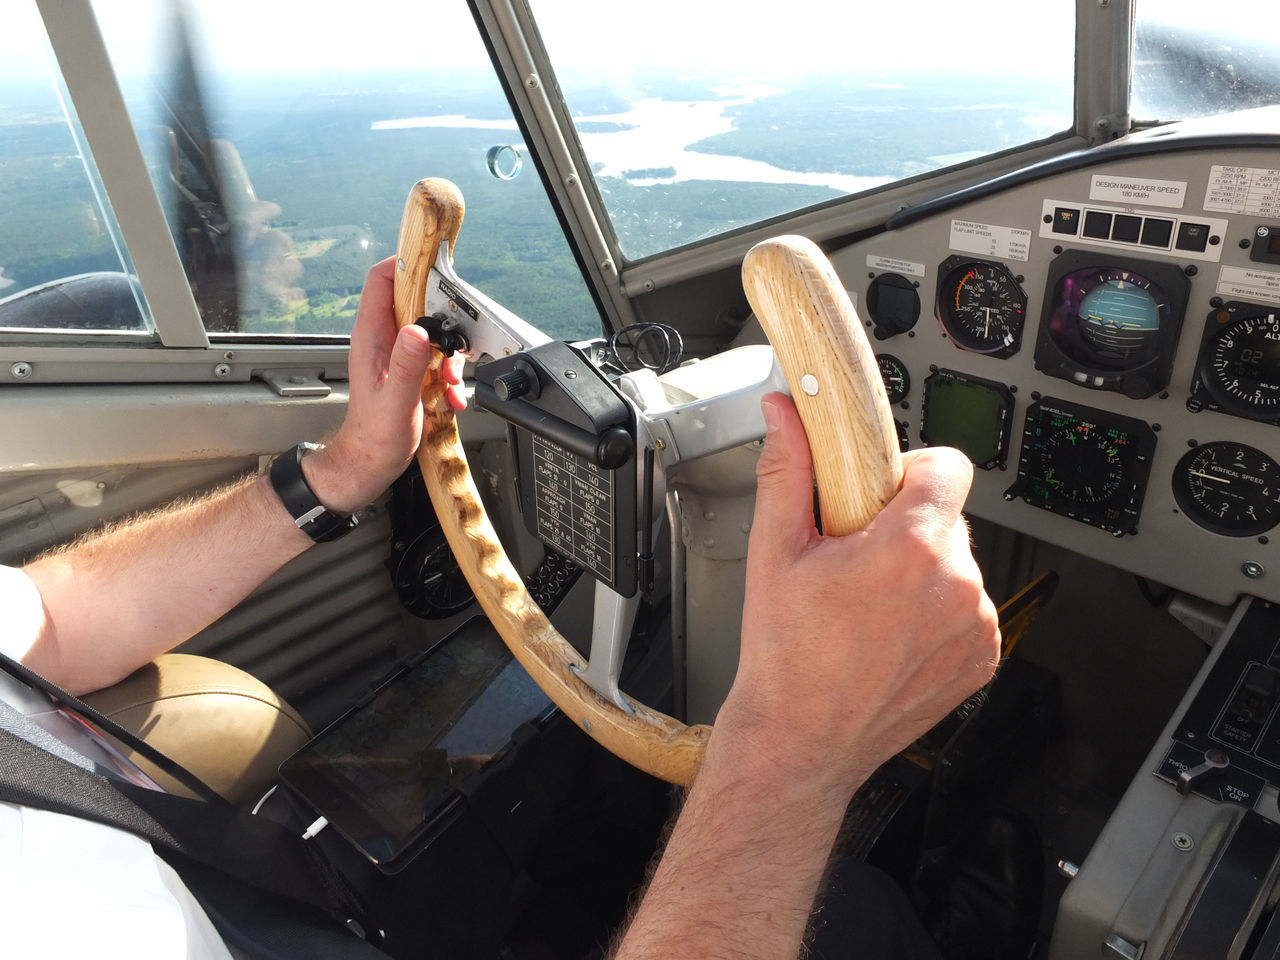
point(310, 515)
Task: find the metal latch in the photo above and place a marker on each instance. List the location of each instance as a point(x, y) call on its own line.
point(295, 383)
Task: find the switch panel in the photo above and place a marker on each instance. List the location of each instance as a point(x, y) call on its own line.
point(1228, 742)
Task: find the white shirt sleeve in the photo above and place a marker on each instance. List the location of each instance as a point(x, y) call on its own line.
point(72, 888)
point(21, 612)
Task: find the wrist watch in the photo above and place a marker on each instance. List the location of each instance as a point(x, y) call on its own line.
point(310, 515)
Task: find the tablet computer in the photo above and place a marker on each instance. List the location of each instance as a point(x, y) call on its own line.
point(390, 773)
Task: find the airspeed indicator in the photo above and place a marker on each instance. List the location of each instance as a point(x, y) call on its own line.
point(980, 306)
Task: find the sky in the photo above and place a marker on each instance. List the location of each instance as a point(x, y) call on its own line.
point(749, 36)
point(742, 39)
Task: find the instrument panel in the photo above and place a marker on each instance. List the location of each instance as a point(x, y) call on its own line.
point(1104, 344)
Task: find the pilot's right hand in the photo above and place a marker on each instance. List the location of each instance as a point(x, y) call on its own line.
point(852, 647)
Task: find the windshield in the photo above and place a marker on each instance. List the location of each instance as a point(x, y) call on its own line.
point(703, 117)
point(1192, 63)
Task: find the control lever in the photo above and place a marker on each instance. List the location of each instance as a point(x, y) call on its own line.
point(1215, 761)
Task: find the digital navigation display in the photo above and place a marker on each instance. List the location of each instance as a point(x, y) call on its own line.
point(1086, 464)
point(968, 413)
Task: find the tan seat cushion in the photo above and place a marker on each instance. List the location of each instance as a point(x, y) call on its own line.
point(225, 726)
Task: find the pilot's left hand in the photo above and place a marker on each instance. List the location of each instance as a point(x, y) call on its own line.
point(383, 425)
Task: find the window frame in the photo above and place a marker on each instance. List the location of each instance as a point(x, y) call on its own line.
point(180, 349)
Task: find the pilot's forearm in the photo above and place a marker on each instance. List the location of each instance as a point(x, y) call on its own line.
point(742, 868)
point(118, 600)
point(114, 601)
point(852, 647)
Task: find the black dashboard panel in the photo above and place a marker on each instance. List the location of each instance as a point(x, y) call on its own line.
point(1151, 322)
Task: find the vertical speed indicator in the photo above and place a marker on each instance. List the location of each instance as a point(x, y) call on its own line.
point(1229, 488)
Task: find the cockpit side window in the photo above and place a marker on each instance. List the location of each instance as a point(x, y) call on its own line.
point(62, 262)
point(281, 140)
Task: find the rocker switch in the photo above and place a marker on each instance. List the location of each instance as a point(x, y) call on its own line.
point(1215, 760)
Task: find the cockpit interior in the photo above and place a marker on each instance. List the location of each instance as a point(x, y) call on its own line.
point(1060, 234)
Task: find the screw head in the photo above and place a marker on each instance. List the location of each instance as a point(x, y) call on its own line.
point(21, 370)
point(222, 371)
point(1253, 569)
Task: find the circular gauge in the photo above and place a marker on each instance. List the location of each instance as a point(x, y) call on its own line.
point(894, 304)
point(981, 307)
point(1111, 325)
point(1240, 364)
point(1229, 488)
point(428, 579)
point(897, 382)
point(1082, 465)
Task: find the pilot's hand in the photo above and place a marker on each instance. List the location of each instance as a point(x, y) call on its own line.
point(852, 647)
point(383, 425)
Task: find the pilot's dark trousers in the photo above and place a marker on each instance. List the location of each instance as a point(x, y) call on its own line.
point(863, 914)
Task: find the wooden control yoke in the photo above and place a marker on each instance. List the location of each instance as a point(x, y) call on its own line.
point(837, 389)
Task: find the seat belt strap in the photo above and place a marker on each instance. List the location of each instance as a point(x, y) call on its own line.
point(243, 851)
